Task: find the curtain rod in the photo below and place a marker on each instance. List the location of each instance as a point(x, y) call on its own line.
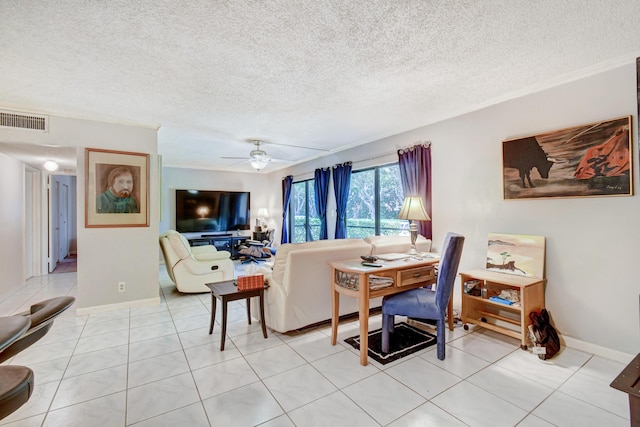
point(425, 143)
point(353, 162)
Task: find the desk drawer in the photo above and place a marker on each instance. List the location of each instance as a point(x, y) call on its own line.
point(415, 275)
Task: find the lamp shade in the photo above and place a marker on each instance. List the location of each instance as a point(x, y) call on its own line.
point(413, 209)
point(263, 213)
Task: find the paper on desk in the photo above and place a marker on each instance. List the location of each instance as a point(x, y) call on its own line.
point(430, 255)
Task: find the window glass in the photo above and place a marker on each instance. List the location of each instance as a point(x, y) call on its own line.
point(361, 206)
point(299, 208)
point(306, 223)
point(390, 201)
point(375, 199)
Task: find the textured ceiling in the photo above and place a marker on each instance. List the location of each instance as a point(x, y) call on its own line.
point(323, 75)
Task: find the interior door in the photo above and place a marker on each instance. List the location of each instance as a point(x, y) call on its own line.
point(63, 222)
point(54, 246)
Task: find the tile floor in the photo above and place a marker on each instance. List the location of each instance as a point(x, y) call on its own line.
point(158, 366)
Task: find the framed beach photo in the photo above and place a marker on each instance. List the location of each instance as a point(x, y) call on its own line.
point(594, 159)
point(116, 189)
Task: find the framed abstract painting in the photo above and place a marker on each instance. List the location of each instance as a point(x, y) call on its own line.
point(594, 159)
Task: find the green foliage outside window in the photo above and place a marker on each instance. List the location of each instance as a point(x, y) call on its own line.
point(375, 199)
point(303, 203)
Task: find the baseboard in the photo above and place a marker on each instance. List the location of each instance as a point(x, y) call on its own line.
point(607, 353)
point(118, 306)
point(598, 350)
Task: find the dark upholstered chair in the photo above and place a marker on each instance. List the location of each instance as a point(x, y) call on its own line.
point(16, 386)
point(17, 333)
point(41, 316)
point(423, 303)
point(16, 382)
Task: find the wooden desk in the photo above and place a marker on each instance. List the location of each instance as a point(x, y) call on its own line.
point(347, 278)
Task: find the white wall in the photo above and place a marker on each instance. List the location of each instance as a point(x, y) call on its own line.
point(592, 289)
point(106, 256)
point(12, 250)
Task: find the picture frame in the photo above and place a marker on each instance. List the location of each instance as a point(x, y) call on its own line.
point(638, 82)
point(517, 254)
point(116, 188)
point(593, 159)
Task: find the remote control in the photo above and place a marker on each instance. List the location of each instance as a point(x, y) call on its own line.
point(370, 264)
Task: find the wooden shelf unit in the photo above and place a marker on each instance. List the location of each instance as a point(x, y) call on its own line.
point(510, 320)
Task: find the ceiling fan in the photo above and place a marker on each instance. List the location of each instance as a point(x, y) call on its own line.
point(258, 158)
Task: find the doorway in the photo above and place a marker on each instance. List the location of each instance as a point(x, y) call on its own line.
point(62, 214)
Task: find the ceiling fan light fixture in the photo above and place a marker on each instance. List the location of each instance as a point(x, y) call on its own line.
point(258, 153)
point(259, 162)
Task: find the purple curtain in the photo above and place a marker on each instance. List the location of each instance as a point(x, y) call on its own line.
point(321, 189)
point(287, 182)
point(415, 174)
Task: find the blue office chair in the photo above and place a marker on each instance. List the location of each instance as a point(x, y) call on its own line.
point(423, 303)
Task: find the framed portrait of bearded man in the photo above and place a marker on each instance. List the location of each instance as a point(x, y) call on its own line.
point(116, 189)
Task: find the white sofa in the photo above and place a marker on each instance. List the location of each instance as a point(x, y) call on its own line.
point(191, 267)
point(299, 292)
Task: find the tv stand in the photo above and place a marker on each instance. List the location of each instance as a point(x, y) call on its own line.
point(222, 242)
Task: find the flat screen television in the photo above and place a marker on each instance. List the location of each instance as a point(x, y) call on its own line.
point(212, 211)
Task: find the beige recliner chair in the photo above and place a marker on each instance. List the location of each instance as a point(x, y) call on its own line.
point(191, 267)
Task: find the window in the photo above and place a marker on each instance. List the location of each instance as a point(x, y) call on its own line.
point(306, 223)
point(375, 199)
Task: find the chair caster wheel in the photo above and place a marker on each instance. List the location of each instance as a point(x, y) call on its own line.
point(523, 346)
point(466, 327)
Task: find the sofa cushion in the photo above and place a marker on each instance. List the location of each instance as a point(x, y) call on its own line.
point(282, 254)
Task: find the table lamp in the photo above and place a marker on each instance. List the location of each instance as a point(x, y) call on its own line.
point(413, 210)
point(263, 214)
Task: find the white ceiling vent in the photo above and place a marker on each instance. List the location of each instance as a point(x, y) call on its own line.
point(12, 119)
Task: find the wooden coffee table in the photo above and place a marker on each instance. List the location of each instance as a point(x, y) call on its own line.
point(228, 291)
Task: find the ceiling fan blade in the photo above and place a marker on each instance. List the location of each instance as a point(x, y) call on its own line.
point(299, 146)
point(235, 158)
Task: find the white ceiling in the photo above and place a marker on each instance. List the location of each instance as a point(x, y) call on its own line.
point(321, 75)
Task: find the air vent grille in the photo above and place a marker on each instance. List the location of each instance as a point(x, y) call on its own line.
point(23, 121)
